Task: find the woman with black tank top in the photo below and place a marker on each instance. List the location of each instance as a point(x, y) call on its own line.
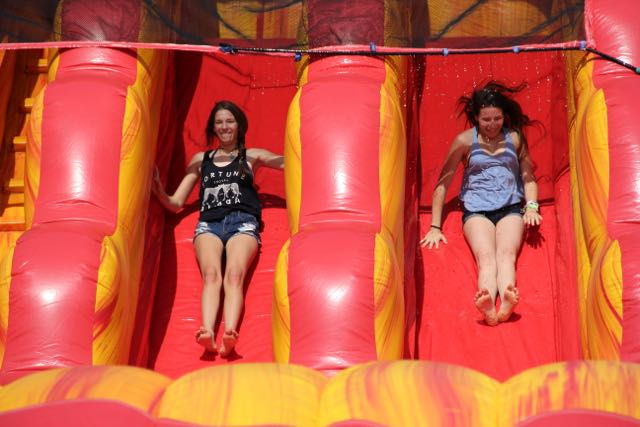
point(499, 194)
point(229, 219)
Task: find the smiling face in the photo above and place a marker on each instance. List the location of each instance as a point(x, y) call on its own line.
point(490, 121)
point(226, 129)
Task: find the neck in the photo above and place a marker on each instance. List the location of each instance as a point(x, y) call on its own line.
point(489, 140)
point(230, 149)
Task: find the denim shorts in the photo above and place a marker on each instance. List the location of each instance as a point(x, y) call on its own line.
point(494, 216)
point(236, 222)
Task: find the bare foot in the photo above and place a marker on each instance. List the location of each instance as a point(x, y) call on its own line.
point(206, 339)
point(229, 340)
point(511, 299)
point(486, 307)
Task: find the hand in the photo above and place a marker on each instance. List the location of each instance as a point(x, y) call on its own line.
point(433, 238)
point(156, 186)
point(532, 218)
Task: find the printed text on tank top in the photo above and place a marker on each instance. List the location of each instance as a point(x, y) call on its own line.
point(226, 188)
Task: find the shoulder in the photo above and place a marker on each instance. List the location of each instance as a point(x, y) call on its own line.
point(254, 154)
point(463, 139)
point(460, 147)
point(197, 158)
point(259, 154)
point(514, 135)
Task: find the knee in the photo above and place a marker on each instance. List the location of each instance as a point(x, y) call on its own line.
point(234, 278)
point(211, 277)
point(486, 260)
point(506, 256)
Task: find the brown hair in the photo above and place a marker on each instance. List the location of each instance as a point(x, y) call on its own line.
point(243, 126)
point(496, 94)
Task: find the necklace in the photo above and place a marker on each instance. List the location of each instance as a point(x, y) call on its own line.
point(490, 141)
point(231, 154)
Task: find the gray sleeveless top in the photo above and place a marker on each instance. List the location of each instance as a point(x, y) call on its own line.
point(491, 182)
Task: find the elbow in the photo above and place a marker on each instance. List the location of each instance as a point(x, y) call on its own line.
point(439, 191)
point(177, 207)
point(174, 206)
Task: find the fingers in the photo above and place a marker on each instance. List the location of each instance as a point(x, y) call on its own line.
point(157, 187)
point(432, 239)
point(156, 177)
point(532, 218)
point(427, 243)
point(535, 220)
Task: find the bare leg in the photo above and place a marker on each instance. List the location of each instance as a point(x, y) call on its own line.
point(209, 254)
point(481, 235)
point(241, 250)
point(509, 235)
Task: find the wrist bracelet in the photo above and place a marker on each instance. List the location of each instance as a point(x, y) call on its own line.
point(532, 204)
point(437, 227)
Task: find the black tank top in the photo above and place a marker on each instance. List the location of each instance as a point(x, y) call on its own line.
point(225, 189)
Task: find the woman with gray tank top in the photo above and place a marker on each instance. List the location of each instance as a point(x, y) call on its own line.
point(499, 194)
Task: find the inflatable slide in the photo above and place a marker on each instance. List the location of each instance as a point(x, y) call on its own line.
point(347, 320)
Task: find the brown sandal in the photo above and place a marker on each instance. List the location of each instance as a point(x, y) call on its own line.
point(229, 340)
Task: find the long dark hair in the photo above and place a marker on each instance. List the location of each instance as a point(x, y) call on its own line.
point(243, 126)
point(496, 94)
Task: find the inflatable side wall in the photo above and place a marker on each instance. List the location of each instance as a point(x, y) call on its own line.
point(345, 176)
point(339, 286)
point(606, 161)
point(93, 129)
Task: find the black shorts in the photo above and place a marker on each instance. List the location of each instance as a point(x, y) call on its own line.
point(496, 215)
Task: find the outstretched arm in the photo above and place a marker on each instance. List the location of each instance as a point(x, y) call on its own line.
point(531, 212)
point(261, 157)
point(458, 150)
point(176, 201)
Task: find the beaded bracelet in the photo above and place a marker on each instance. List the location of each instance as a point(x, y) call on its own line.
point(532, 204)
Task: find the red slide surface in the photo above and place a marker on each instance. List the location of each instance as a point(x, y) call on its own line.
point(544, 326)
point(448, 327)
point(265, 99)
